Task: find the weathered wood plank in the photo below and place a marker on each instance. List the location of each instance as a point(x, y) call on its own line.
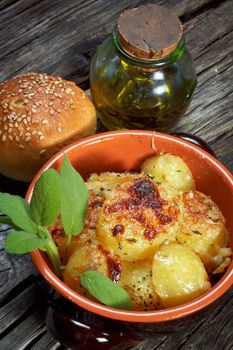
point(48, 343)
point(16, 308)
point(27, 331)
point(14, 269)
point(210, 113)
point(50, 27)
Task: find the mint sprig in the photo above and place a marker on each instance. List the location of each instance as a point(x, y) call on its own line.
point(54, 193)
point(21, 242)
point(105, 290)
point(46, 198)
point(17, 209)
point(74, 199)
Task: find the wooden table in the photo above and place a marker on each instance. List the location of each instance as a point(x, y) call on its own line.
point(59, 37)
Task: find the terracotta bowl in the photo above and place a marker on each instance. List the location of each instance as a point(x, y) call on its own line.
point(126, 150)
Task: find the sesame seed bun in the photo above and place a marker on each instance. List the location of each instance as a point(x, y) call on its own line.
point(39, 114)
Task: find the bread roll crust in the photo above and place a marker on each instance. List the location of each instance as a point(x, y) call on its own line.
point(40, 114)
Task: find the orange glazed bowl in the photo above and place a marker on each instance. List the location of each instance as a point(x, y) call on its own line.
point(126, 150)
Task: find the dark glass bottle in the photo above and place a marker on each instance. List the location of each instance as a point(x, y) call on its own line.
point(141, 88)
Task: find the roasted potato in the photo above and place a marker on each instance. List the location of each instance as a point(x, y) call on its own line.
point(91, 256)
point(135, 220)
point(202, 227)
point(103, 183)
point(169, 170)
point(150, 232)
point(136, 279)
point(178, 275)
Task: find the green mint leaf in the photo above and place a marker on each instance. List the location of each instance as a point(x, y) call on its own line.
point(20, 242)
point(7, 221)
point(105, 290)
point(17, 209)
point(74, 199)
point(46, 198)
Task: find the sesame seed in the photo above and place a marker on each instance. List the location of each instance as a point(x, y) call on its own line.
point(23, 116)
point(59, 129)
point(3, 138)
point(34, 110)
point(5, 127)
point(68, 90)
point(29, 119)
point(44, 121)
point(10, 137)
point(41, 137)
point(28, 138)
point(34, 132)
point(10, 130)
point(21, 146)
point(16, 125)
point(51, 111)
point(25, 121)
point(42, 151)
point(39, 133)
point(10, 125)
point(28, 134)
point(17, 138)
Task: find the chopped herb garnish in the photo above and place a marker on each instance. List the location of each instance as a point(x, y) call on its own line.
point(196, 232)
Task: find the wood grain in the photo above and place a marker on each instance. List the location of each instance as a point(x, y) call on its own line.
point(59, 37)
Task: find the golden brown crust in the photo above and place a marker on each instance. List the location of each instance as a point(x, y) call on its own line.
point(39, 114)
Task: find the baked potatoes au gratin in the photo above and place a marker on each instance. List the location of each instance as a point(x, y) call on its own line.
point(151, 232)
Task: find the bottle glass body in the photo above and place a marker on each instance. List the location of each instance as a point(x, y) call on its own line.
point(130, 93)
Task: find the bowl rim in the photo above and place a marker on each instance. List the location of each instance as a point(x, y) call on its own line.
point(163, 315)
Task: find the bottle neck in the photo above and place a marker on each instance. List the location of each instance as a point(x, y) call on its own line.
point(153, 63)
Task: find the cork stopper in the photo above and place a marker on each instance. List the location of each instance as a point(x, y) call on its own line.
point(149, 31)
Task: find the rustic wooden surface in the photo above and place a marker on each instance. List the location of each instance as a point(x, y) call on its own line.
point(59, 37)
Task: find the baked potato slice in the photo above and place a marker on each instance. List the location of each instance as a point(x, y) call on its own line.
point(91, 256)
point(178, 275)
point(202, 227)
point(135, 220)
point(136, 279)
point(169, 170)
